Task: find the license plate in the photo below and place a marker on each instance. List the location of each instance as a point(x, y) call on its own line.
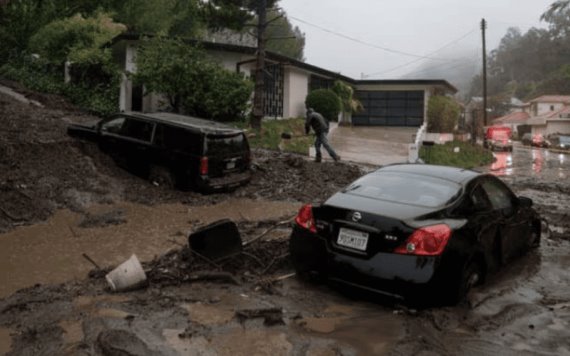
point(231, 165)
point(354, 239)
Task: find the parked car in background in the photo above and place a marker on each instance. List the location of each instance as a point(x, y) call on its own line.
point(560, 142)
point(526, 139)
point(498, 138)
point(538, 140)
point(414, 230)
point(173, 150)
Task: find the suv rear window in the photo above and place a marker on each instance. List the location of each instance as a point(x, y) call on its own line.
point(226, 145)
point(406, 189)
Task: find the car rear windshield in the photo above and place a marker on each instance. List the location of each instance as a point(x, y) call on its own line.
point(226, 145)
point(406, 189)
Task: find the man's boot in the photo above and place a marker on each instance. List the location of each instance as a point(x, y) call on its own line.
point(318, 158)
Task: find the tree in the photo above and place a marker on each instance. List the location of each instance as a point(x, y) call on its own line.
point(443, 114)
point(346, 94)
point(192, 83)
point(325, 102)
point(283, 38)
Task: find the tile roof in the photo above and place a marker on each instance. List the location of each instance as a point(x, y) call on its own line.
point(517, 117)
point(552, 99)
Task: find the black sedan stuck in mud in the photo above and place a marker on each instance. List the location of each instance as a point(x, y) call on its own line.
point(423, 232)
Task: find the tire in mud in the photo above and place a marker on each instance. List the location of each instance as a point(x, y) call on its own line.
point(162, 176)
point(471, 276)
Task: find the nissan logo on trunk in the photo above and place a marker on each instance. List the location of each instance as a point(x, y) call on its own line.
point(356, 216)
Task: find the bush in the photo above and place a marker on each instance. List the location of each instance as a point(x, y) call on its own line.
point(325, 102)
point(443, 114)
point(191, 81)
point(469, 155)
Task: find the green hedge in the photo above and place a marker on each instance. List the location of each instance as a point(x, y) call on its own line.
point(325, 102)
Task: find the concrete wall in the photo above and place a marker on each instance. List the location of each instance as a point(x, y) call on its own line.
point(126, 89)
point(562, 126)
point(538, 130)
point(543, 108)
point(296, 88)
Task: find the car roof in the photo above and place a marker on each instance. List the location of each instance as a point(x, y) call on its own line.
point(453, 174)
point(207, 126)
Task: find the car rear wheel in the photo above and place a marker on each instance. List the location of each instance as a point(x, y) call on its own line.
point(471, 276)
point(162, 176)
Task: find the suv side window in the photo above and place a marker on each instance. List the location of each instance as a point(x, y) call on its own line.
point(137, 129)
point(113, 126)
point(177, 139)
point(501, 198)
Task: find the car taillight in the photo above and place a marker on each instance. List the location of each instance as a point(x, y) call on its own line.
point(426, 241)
point(204, 166)
point(305, 218)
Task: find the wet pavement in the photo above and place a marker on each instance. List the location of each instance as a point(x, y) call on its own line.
point(372, 145)
point(527, 161)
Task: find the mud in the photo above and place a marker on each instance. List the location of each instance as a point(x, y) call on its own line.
point(74, 200)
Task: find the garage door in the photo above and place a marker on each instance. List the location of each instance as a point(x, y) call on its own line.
point(390, 108)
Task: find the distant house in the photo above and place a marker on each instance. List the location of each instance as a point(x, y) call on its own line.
point(287, 83)
point(546, 115)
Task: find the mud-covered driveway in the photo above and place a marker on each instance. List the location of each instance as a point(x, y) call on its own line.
point(62, 199)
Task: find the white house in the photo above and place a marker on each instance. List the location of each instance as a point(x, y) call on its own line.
point(288, 81)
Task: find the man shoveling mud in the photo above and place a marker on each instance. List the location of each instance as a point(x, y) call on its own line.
point(321, 127)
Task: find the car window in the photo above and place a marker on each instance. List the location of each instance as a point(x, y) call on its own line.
point(499, 196)
point(113, 126)
point(137, 129)
point(479, 199)
point(178, 139)
point(406, 188)
point(226, 145)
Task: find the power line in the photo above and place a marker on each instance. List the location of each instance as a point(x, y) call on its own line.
point(364, 42)
point(419, 59)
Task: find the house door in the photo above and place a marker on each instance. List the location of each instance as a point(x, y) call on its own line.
point(390, 108)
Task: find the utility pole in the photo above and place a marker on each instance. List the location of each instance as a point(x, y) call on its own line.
point(483, 28)
point(259, 66)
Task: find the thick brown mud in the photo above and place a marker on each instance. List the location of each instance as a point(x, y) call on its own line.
point(62, 198)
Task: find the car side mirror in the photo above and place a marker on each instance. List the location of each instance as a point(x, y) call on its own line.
point(525, 202)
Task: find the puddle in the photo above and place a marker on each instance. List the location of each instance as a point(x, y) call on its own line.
point(369, 335)
point(5, 341)
point(208, 315)
point(51, 252)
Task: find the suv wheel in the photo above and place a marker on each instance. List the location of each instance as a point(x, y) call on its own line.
point(162, 176)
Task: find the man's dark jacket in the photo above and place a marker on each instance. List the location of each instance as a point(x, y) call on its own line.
point(317, 122)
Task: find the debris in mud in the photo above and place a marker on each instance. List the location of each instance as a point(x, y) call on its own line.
point(218, 240)
point(121, 342)
point(113, 217)
point(128, 276)
point(195, 330)
point(271, 316)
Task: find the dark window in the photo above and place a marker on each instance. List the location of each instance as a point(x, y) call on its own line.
point(113, 126)
point(499, 196)
point(224, 145)
point(479, 199)
point(137, 129)
point(316, 82)
point(273, 95)
point(406, 188)
point(178, 139)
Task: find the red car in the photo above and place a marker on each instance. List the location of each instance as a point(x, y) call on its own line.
point(498, 138)
point(538, 140)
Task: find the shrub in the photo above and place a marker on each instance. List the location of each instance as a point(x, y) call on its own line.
point(443, 113)
point(325, 102)
point(191, 81)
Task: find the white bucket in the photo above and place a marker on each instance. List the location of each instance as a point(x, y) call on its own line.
point(127, 276)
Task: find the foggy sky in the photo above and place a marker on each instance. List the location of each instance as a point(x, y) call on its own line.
point(413, 26)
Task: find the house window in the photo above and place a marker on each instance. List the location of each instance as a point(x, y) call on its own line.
point(273, 98)
point(317, 82)
point(551, 107)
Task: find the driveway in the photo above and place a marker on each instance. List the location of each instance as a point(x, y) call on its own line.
point(372, 144)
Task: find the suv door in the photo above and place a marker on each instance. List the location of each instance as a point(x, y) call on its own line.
point(128, 140)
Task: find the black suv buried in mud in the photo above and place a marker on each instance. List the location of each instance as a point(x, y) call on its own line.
point(173, 150)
